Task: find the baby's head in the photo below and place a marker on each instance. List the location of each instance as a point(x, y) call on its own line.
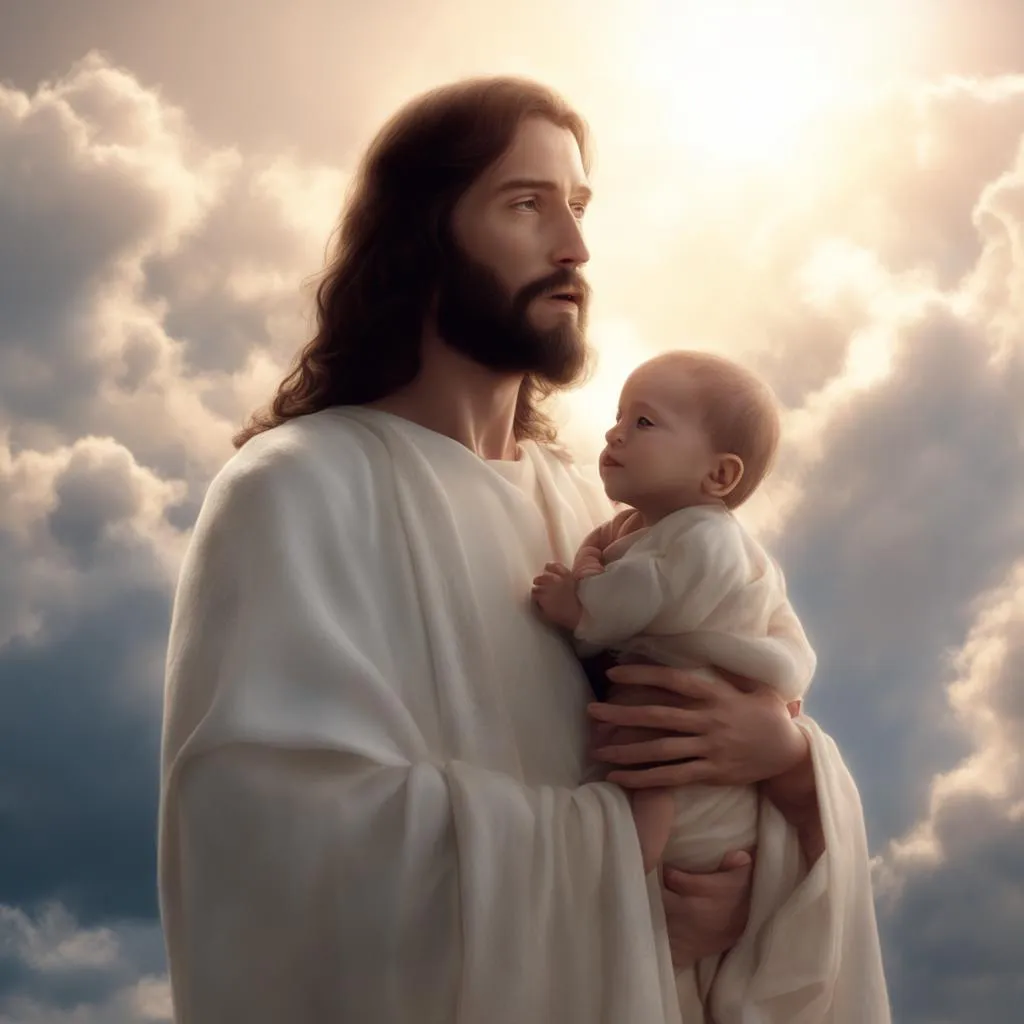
point(692, 429)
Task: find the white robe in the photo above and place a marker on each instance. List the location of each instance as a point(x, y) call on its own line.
point(369, 804)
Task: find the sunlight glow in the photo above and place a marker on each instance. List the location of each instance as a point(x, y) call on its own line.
point(588, 413)
point(740, 82)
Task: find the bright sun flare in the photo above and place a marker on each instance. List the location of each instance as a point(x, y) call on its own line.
point(739, 82)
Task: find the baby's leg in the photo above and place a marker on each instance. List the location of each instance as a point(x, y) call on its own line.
point(654, 811)
point(708, 823)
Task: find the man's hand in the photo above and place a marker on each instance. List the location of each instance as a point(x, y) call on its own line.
point(706, 913)
point(727, 735)
point(554, 593)
point(724, 734)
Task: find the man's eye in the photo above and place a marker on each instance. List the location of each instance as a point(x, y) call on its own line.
point(579, 209)
point(643, 421)
point(527, 203)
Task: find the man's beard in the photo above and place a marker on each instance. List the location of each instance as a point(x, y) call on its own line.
point(477, 317)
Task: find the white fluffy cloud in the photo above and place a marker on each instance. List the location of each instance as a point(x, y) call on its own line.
point(78, 525)
point(64, 974)
point(151, 278)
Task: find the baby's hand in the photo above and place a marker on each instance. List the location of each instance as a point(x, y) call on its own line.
point(588, 563)
point(554, 593)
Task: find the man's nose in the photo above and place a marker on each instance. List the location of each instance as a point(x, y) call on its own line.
point(570, 249)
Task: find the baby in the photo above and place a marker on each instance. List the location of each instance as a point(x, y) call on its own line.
point(674, 578)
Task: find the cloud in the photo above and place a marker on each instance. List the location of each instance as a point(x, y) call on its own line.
point(152, 278)
point(977, 38)
point(951, 886)
point(87, 562)
point(57, 973)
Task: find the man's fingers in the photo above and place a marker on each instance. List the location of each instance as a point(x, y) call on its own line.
point(651, 716)
point(700, 770)
point(690, 884)
point(672, 679)
point(668, 748)
point(735, 859)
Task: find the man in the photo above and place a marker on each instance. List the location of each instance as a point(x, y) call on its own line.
point(371, 807)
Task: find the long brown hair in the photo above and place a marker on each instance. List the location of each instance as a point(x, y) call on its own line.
point(382, 273)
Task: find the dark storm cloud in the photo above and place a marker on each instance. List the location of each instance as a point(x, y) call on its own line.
point(79, 731)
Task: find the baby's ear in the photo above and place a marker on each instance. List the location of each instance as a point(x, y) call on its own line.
point(724, 476)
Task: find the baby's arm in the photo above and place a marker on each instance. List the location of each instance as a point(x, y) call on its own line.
point(588, 562)
point(620, 602)
point(555, 590)
point(554, 593)
point(590, 556)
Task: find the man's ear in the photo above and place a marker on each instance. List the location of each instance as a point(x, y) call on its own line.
point(724, 476)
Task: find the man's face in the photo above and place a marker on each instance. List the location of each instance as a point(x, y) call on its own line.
point(511, 296)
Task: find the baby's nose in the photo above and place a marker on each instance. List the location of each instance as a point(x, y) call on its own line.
point(612, 435)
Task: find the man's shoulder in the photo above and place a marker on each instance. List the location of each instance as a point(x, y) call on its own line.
point(315, 454)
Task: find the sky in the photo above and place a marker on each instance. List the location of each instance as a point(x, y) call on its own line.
point(831, 192)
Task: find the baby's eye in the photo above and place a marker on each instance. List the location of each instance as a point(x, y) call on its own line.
point(643, 421)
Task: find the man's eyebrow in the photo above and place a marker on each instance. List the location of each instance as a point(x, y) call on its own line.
point(583, 192)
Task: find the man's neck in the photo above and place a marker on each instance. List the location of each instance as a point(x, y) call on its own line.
point(454, 396)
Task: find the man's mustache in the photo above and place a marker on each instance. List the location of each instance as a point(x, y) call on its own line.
point(559, 280)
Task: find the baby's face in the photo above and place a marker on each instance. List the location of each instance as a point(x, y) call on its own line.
point(658, 452)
